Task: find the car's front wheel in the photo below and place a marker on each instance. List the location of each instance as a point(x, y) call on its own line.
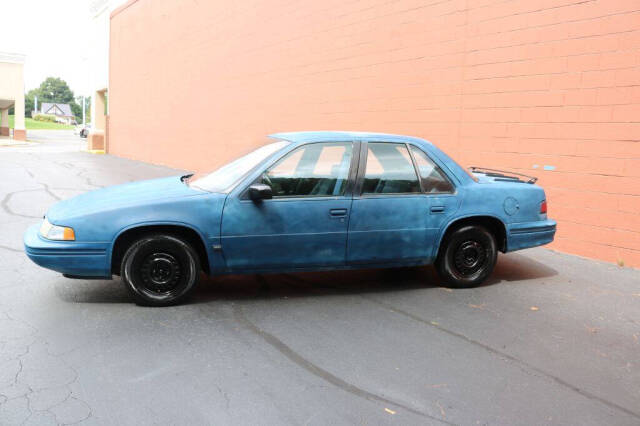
point(160, 270)
point(467, 257)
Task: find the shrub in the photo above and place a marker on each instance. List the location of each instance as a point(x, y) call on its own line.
point(45, 117)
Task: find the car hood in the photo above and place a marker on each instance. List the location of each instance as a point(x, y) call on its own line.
point(125, 195)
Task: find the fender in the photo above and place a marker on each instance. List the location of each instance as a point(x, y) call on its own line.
point(205, 241)
point(446, 227)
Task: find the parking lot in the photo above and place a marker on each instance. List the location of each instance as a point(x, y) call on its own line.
point(551, 339)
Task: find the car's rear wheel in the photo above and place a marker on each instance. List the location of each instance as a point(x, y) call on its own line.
point(160, 270)
point(467, 257)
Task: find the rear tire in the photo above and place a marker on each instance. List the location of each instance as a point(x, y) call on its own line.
point(467, 257)
point(160, 270)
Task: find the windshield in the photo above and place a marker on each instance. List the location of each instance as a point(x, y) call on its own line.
point(223, 179)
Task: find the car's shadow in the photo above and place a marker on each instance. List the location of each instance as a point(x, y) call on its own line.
point(512, 267)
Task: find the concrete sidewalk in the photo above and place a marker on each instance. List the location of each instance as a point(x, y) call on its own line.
point(551, 339)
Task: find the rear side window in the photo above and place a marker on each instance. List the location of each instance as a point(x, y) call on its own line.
point(317, 170)
point(389, 170)
point(433, 178)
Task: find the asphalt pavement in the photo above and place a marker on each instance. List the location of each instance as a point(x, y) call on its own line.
point(551, 338)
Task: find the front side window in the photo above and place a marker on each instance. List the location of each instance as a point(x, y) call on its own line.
point(316, 170)
point(433, 178)
point(389, 170)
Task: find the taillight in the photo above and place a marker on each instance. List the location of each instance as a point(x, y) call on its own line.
point(543, 207)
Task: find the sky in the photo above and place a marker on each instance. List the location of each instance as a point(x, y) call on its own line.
point(52, 35)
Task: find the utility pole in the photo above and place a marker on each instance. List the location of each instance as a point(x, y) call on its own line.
point(83, 114)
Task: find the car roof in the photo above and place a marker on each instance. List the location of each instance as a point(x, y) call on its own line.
point(341, 136)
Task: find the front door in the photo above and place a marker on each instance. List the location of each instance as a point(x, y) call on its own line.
point(305, 223)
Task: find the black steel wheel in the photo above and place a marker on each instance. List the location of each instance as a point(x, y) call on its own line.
point(160, 270)
point(467, 257)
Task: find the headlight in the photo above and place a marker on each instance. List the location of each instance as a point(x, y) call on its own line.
point(55, 232)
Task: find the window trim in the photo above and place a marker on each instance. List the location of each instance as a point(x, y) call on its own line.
point(348, 192)
point(415, 168)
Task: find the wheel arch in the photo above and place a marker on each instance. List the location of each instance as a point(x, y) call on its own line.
point(493, 224)
point(128, 235)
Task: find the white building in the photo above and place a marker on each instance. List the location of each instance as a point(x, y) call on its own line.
point(98, 65)
point(12, 94)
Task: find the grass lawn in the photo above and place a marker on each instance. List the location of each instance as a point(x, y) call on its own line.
point(32, 124)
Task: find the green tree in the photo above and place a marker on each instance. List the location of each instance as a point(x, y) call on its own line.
point(77, 108)
point(54, 89)
point(29, 102)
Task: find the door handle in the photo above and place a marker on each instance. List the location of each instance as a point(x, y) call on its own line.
point(338, 212)
point(437, 209)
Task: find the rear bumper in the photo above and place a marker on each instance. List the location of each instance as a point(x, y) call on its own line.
point(530, 234)
point(68, 257)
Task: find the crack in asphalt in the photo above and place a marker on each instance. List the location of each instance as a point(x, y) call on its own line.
point(5, 203)
point(45, 188)
point(48, 191)
point(87, 179)
point(319, 372)
point(504, 355)
point(511, 358)
point(17, 351)
point(15, 250)
point(225, 396)
point(17, 380)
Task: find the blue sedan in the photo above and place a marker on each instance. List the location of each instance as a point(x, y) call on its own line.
point(306, 201)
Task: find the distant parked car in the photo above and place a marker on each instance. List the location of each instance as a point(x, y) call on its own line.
point(307, 201)
point(83, 130)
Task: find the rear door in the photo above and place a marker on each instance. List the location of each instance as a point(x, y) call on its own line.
point(440, 191)
point(390, 215)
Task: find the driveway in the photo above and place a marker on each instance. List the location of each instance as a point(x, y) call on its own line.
point(551, 339)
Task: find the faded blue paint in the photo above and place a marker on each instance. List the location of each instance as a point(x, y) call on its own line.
point(549, 167)
point(302, 233)
point(286, 232)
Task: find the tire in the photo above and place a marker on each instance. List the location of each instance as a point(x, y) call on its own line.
point(160, 270)
point(468, 257)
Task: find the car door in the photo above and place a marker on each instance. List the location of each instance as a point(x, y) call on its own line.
point(305, 224)
point(390, 215)
point(440, 191)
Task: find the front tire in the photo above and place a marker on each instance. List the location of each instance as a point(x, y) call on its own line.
point(468, 257)
point(160, 270)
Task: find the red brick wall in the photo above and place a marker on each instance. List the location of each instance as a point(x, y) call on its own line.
point(546, 87)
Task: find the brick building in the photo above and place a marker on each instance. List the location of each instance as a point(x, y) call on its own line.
point(549, 88)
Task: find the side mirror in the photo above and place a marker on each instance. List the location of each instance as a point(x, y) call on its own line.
point(260, 191)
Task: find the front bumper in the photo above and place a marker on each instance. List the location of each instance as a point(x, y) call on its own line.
point(85, 259)
point(530, 234)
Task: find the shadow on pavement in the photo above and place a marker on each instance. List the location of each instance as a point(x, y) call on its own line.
point(517, 267)
point(510, 268)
